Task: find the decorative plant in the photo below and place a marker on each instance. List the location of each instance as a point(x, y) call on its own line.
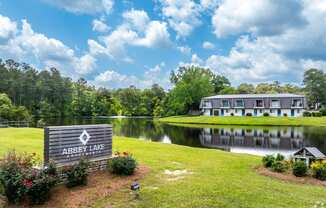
point(122, 164)
point(319, 170)
point(279, 166)
point(268, 161)
point(77, 174)
point(279, 157)
point(299, 168)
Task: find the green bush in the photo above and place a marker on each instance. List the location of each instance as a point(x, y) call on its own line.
point(323, 111)
point(77, 174)
point(266, 114)
point(306, 114)
point(316, 114)
point(319, 170)
point(279, 166)
point(248, 114)
point(299, 168)
point(279, 157)
point(268, 161)
point(122, 164)
point(285, 114)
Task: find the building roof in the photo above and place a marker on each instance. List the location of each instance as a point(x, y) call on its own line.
point(312, 150)
point(283, 95)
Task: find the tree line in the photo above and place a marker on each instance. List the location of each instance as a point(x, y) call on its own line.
point(47, 93)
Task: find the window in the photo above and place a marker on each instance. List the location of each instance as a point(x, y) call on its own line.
point(259, 103)
point(225, 103)
point(275, 104)
point(260, 111)
point(239, 103)
point(297, 103)
point(236, 110)
point(207, 104)
point(271, 111)
point(226, 111)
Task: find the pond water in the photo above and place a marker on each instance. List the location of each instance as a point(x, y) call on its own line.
point(257, 140)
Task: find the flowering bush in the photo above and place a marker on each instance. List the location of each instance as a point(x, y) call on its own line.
point(319, 170)
point(122, 164)
point(279, 166)
point(38, 185)
point(20, 180)
point(268, 160)
point(77, 174)
point(13, 168)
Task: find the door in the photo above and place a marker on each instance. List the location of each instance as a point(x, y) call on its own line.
point(216, 113)
point(243, 112)
point(222, 112)
point(292, 112)
point(279, 112)
point(255, 112)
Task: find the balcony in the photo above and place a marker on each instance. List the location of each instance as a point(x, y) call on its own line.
point(275, 104)
point(259, 104)
point(207, 104)
point(297, 103)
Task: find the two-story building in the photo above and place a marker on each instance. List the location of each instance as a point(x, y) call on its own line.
point(253, 104)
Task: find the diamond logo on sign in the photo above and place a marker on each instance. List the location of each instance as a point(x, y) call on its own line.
point(84, 137)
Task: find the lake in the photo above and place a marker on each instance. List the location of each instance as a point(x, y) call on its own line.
point(256, 140)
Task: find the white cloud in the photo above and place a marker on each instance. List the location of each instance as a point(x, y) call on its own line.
point(100, 26)
point(182, 15)
point(209, 4)
point(155, 35)
point(114, 79)
point(208, 45)
point(184, 49)
point(262, 17)
point(136, 30)
point(138, 19)
point(196, 60)
point(8, 27)
point(47, 52)
point(84, 6)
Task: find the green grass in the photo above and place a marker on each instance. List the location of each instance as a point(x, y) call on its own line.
point(238, 120)
point(218, 179)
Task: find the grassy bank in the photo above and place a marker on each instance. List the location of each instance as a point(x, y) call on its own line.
point(207, 178)
point(254, 121)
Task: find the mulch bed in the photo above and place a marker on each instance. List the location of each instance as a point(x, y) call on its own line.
point(100, 185)
point(288, 177)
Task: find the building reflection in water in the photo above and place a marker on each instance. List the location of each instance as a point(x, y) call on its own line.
point(254, 140)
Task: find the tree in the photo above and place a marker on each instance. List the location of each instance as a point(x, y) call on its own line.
point(191, 85)
point(245, 88)
point(315, 87)
point(220, 83)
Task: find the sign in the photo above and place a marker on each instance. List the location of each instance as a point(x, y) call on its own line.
point(68, 144)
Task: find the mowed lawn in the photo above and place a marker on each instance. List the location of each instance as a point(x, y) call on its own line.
point(239, 120)
point(207, 177)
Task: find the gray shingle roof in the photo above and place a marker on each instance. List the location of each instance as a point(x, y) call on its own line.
point(314, 151)
point(255, 96)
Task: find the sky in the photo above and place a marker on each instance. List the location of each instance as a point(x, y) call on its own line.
point(118, 43)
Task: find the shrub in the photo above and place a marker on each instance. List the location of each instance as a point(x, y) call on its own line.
point(299, 168)
point(316, 114)
point(266, 114)
point(319, 170)
point(248, 114)
point(279, 166)
point(232, 114)
point(122, 164)
point(77, 174)
point(268, 161)
point(285, 114)
point(306, 114)
point(323, 111)
point(13, 168)
point(279, 157)
point(38, 185)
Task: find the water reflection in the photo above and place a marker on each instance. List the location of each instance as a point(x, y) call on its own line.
point(248, 139)
point(258, 141)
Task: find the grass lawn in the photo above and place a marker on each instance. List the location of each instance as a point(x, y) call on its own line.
point(210, 178)
point(238, 120)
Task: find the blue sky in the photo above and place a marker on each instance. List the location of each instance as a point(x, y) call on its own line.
point(120, 43)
